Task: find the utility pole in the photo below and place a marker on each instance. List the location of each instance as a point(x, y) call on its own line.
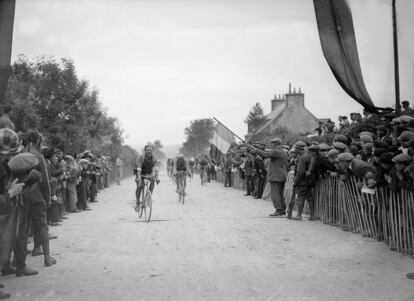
point(7, 8)
point(396, 66)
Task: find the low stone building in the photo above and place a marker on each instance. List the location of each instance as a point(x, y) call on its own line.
point(288, 116)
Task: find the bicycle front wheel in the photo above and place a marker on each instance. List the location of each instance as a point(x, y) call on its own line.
point(148, 206)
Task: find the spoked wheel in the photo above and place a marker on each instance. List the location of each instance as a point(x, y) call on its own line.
point(142, 211)
point(181, 192)
point(147, 207)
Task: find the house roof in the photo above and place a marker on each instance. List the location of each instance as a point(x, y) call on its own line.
point(272, 116)
point(324, 120)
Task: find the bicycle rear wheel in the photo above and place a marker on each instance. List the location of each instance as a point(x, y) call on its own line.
point(181, 191)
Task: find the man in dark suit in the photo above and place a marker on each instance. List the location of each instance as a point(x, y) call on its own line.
point(38, 200)
point(261, 173)
point(9, 190)
point(349, 164)
point(277, 173)
point(248, 173)
point(305, 178)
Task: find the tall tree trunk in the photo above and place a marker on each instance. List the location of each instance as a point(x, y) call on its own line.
point(7, 8)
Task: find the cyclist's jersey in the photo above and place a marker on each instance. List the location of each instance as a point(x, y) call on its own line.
point(146, 164)
point(180, 164)
point(203, 163)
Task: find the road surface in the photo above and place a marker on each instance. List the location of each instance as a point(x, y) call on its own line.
point(219, 245)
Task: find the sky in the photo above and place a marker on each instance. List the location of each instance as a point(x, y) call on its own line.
point(158, 64)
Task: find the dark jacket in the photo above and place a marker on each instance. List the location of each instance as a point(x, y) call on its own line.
point(304, 173)
point(278, 164)
point(359, 168)
point(259, 167)
point(248, 166)
point(41, 193)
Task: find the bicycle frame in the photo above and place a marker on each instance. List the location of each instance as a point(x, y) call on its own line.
point(203, 176)
point(181, 186)
point(146, 198)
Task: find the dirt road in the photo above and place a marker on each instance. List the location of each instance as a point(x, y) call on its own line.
point(219, 245)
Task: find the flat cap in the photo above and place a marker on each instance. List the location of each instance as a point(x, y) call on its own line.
point(345, 157)
point(366, 139)
point(86, 161)
point(324, 147)
point(313, 148)
point(333, 153)
point(9, 142)
point(402, 158)
point(396, 120)
point(300, 145)
point(366, 133)
point(339, 145)
point(406, 118)
point(340, 138)
point(21, 163)
point(276, 140)
point(406, 136)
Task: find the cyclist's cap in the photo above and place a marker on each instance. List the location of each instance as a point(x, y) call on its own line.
point(180, 156)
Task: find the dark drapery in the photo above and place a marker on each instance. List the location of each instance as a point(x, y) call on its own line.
point(337, 36)
point(7, 8)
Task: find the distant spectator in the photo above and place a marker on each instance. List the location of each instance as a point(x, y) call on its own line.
point(355, 118)
point(5, 121)
point(330, 126)
point(343, 122)
point(406, 110)
point(320, 128)
point(119, 165)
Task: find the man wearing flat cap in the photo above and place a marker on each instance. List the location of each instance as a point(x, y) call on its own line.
point(9, 190)
point(259, 170)
point(277, 173)
point(349, 164)
point(38, 201)
point(406, 110)
point(399, 174)
point(304, 180)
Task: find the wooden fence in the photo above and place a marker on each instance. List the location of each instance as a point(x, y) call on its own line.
point(386, 215)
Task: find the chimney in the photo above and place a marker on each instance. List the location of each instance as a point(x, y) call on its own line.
point(295, 99)
point(276, 101)
point(290, 88)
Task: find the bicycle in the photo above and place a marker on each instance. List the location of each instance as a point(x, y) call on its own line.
point(146, 204)
point(203, 176)
point(181, 186)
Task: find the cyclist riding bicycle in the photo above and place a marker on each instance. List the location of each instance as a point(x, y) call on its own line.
point(191, 164)
point(181, 169)
point(146, 167)
point(203, 166)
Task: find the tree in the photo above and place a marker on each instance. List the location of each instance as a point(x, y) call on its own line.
point(198, 136)
point(255, 118)
point(48, 95)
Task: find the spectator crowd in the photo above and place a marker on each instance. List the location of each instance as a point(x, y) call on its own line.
point(39, 187)
point(376, 149)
